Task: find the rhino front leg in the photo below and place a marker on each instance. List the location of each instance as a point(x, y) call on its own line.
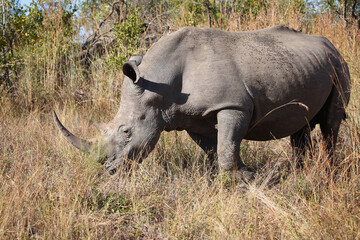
point(208, 144)
point(232, 127)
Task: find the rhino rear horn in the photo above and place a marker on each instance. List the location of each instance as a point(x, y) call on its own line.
point(79, 143)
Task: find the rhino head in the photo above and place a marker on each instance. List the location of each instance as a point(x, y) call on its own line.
point(136, 128)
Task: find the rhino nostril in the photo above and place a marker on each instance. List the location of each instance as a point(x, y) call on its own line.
point(107, 160)
point(109, 166)
point(102, 160)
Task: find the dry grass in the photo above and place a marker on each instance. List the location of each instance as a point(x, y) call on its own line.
point(51, 191)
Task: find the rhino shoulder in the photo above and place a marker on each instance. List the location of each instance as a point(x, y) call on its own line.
point(282, 28)
point(176, 36)
point(182, 32)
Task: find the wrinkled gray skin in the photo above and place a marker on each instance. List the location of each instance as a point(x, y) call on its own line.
point(222, 87)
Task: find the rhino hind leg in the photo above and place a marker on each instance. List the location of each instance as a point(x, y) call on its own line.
point(330, 120)
point(300, 142)
point(330, 131)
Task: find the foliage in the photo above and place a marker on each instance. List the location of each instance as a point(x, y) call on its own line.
point(128, 36)
point(20, 29)
point(36, 43)
point(348, 10)
point(92, 12)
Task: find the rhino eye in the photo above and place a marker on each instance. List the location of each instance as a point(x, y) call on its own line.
point(124, 129)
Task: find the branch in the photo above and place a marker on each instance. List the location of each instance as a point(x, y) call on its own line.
point(353, 10)
point(111, 13)
point(333, 7)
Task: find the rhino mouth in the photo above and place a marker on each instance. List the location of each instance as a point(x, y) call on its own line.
point(111, 168)
point(109, 155)
point(112, 164)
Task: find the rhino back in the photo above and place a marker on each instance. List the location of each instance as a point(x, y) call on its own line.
point(264, 72)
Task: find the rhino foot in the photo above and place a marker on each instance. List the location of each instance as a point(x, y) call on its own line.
point(241, 178)
point(245, 175)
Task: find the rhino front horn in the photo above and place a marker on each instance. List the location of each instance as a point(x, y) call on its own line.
point(79, 143)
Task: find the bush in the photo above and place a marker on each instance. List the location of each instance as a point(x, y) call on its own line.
point(128, 35)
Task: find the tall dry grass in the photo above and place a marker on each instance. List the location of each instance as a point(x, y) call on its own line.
point(49, 190)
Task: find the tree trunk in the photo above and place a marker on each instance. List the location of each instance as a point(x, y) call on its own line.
point(208, 12)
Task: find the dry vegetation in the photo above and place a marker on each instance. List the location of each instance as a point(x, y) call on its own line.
point(49, 190)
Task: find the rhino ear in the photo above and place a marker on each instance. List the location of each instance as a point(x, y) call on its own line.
point(136, 58)
point(131, 70)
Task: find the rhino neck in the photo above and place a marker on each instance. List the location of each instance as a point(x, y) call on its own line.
point(168, 116)
point(174, 119)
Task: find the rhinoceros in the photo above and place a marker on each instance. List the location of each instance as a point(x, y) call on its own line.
point(222, 87)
